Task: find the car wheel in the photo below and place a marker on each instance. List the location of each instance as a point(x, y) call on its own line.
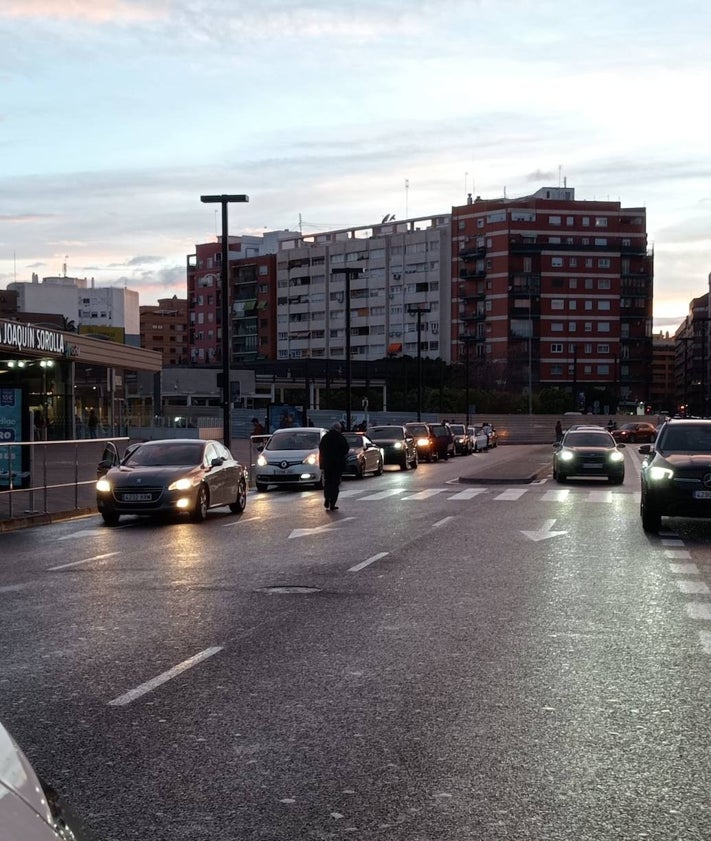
point(360, 471)
point(199, 513)
point(404, 464)
point(414, 462)
point(262, 487)
point(240, 503)
point(110, 518)
point(651, 517)
point(561, 478)
point(379, 468)
point(615, 480)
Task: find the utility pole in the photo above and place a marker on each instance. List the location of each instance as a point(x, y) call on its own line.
point(418, 311)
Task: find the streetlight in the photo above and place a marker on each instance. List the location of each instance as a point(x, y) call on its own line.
point(418, 311)
point(224, 200)
point(349, 274)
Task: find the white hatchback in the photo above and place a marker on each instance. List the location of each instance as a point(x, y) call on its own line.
point(290, 458)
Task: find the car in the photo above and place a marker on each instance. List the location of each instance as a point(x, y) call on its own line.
point(363, 456)
point(676, 473)
point(290, 458)
point(398, 445)
point(425, 440)
point(444, 438)
point(586, 453)
point(635, 432)
point(462, 442)
point(170, 476)
point(479, 439)
point(30, 809)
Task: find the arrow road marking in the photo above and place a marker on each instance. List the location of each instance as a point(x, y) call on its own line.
point(544, 532)
point(317, 529)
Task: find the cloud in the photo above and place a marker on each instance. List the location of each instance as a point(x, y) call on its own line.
point(91, 11)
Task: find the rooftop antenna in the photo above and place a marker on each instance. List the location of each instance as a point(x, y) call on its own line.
point(466, 176)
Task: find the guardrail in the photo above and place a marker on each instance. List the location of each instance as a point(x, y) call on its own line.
point(48, 477)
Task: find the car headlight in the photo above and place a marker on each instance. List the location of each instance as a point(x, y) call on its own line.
point(103, 486)
point(567, 455)
point(180, 485)
point(616, 456)
point(312, 458)
point(423, 442)
point(397, 445)
point(659, 474)
point(261, 461)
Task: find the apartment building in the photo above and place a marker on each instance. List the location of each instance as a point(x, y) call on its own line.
point(553, 292)
point(379, 290)
point(164, 328)
point(692, 369)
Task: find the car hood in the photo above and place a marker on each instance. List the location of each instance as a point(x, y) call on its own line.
point(702, 461)
point(278, 455)
point(380, 440)
point(146, 476)
point(19, 781)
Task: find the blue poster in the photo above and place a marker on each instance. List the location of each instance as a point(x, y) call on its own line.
point(10, 430)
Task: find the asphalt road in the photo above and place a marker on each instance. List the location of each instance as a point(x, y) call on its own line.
point(435, 660)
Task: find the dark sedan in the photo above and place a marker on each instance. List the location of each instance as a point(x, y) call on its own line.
point(444, 440)
point(363, 456)
point(425, 440)
point(637, 432)
point(676, 473)
point(176, 476)
point(397, 444)
point(589, 453)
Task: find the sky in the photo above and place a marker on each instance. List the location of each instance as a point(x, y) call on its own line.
point(117, 115)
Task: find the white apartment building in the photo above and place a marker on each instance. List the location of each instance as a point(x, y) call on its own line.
point(82, 303)
point(399, 268)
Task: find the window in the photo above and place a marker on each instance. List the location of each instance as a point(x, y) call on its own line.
point(603, 263)
point(603, 305)
point(600, 240)
point(603, 348)
point(588, 305)
point(588, 283)
point(586, 221)
point(569, 220)
point(572, 326)
point(604, 283)
point(587, 348)
point(556, 370)
point(554, 240)
point(604, 370)
point(556, 327)
point(588, 262)
point(588, 326)
point(600, 221)
point(554, 220)
point(480, 223)
point(572, 304)
point(603, 327)
point(573, 283)
point(557, 262)
point(557, 304)
point(557, 348)
point(573, 262)
point(587, 369)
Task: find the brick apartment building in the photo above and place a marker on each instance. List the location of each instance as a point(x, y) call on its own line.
point(548, 291)
point(164, 328)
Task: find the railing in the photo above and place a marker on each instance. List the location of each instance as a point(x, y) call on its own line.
point(48, 477)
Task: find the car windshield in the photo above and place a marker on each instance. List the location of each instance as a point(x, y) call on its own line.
point(417, 428)
point(456, 428)
point(440, 430)
point(687, 439)
point(386, 432)
point(353, 439)
point(589, 439)
point(167, 455)
point(294, 440)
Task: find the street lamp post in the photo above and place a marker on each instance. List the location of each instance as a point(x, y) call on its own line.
point(349, 274)
point(224, 200)
point(418, 311)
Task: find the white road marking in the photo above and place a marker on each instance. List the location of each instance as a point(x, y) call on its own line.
point(383, 494)
point(684, 569)
point(677, 553)
point(319, 529)
point(441, 522)
point(544, 532)
point(152, 684)
point(427, 493)
point(85, 561)
point(511, 493)
point(364, 564)
point(668, 541)
point(80, 535)
point(556, 496)
point(469, 493)
point(600, 496)
point(687, 585)
point(705, 637)
point(698, 610)
point(13, 588)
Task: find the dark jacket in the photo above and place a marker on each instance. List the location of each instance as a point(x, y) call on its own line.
point(333, 450)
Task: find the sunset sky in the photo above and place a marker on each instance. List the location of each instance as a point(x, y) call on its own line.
point(116, 115)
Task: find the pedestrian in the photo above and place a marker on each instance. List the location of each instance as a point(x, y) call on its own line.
point(39, 425)
point(558, 431)
point(92, 423)
point(333, 450)
point(257, 427)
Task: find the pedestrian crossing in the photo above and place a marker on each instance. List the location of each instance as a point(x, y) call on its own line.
point(455, 493)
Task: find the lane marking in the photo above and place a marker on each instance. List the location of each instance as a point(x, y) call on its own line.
point(13, 588)
point(666, 541)
point(698, 610)
point(469, 493)
point(511, 493)
point(85, 561)
point(152, 684)
point(677, 553)
point(441, 522)
point(368, 562)
point(705, 637)
point(684, 569)
point(556, 496)
point(691, 587)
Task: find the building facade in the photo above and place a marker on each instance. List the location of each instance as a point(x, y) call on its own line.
point(164, 328)
point(550, 292)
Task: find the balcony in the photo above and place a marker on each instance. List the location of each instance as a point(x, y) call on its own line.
point(471, 252)
point(472, 274)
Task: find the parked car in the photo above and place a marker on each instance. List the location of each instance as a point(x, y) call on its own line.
point(30, 809)
point(676, 473)
point(290, 458)
point(479, 439)
point(586, 453)
point(170, 476)
point(444, 438)
point(462, 442)
point(425, 440)
point(398, 445)
point(635, 432)
point(363, 456)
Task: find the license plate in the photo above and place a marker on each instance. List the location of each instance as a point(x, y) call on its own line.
point(702, 494)
point(591, 465)
point(136, 497)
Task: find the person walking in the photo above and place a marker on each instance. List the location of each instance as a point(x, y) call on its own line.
point(92, 423)
point(257, 427)
point(558, 431)
point(333, 450)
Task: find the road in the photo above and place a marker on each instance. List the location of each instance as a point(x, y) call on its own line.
point(435, 660)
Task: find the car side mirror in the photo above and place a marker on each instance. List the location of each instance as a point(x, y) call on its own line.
point(645, 449)
point(217, 462)
point(557, 445)
point(621, 446)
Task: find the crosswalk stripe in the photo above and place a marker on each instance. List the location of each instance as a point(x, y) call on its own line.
point(559, 495)
point(600, 496)
point(382, 494)
point(427, 493)
point(469, 493)
point(511, 493)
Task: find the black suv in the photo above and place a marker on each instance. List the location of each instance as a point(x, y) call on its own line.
point(676, 473)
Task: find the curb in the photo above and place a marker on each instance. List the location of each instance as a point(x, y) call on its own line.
point(18, 523)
